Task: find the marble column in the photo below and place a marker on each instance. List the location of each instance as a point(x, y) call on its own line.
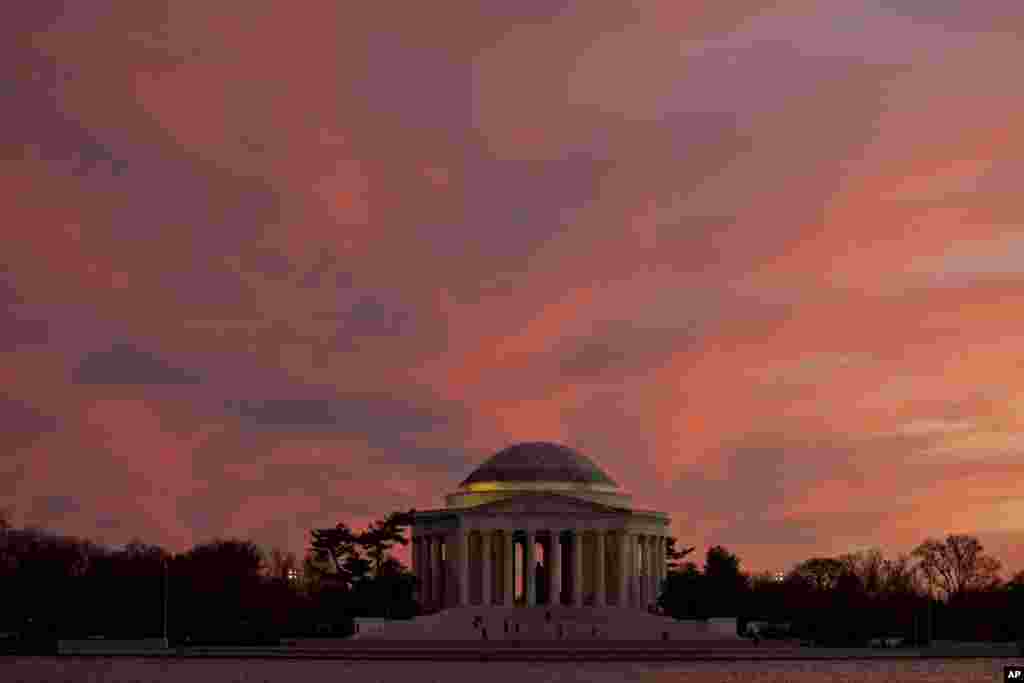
point(428, 594)
point(530, 568)
point(599, 564)
point(642, 574)
point(462, 573)
point(509, 561)
point(656, 573)
point(660, 562)
point(623, 569)
point(555, 572)
point(635, 566)
point(417, 566)
point(577, 568)
point(488, 569)
point(415, 554)
point(651, 581)
point(424, 570)
point(435, 571)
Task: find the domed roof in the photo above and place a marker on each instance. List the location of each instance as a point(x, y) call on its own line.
point(539, 461)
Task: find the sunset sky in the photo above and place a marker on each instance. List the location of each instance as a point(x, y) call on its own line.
point(270, 266)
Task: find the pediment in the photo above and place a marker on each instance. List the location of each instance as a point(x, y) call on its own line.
point(544, 504)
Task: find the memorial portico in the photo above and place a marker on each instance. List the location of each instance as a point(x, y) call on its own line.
point(538, 524)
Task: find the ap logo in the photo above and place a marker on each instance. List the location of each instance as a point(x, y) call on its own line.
point(1013, 673)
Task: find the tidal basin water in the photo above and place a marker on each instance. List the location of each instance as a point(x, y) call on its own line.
point(160, 670)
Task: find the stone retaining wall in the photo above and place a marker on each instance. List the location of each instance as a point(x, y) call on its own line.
point(104, 645)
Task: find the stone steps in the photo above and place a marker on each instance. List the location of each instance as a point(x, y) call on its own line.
point(577, 624)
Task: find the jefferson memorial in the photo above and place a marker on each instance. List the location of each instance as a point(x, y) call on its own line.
point(539, 525)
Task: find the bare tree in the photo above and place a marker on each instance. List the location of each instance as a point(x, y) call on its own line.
point(868, 566)
point(280, 563)
point(822, 572)
point(762, 579)
point(957, 565)
point(901, 576)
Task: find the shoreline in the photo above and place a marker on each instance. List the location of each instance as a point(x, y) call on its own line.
point(548, 652)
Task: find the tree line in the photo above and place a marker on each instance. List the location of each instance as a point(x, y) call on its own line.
point(945, 589)
point(227, 590)
point(231, 590)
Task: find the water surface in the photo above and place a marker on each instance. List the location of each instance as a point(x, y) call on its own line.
point(160, 670)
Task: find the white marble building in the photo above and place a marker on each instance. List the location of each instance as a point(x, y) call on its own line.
point(539, 504)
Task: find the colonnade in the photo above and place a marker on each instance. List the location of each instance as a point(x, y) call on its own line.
point(580, 567)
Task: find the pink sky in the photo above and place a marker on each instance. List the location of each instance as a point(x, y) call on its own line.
point(277, 267)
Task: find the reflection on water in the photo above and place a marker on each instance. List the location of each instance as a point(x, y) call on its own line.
point(30, 669)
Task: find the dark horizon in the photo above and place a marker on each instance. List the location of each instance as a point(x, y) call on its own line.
point(229, 592)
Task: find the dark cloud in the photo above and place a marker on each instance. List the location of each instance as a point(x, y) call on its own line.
point(518, 203)
point(768, 471)
point(752, 528)
point(314, 276)
point(12, 475)
point(992, 15)
point(369, 317)
point(22, 325)
point(592, 358)
point(203, 514)
point(382, 421)
point(23, 423)
point(268, 262)
point(50, 508)
point(21, 330)
point(126, 364)
point(619, 348)
point(439, 84)
point(290, 414)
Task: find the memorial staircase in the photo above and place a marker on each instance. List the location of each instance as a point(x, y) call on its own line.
point(551, 624)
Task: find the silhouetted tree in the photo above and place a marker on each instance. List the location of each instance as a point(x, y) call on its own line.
point(726, 585)
point(279, 563)
point(822, 572)
point(956, 565)
point(216, 588)
point(868, 566)
point(379, 538)
point(341, 545)
point(60, 586)
point(901, 577)
point(371, 585)
point(683, 595)
point(673, 556)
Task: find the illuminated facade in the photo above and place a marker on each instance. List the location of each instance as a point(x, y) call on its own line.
point(547, 507)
